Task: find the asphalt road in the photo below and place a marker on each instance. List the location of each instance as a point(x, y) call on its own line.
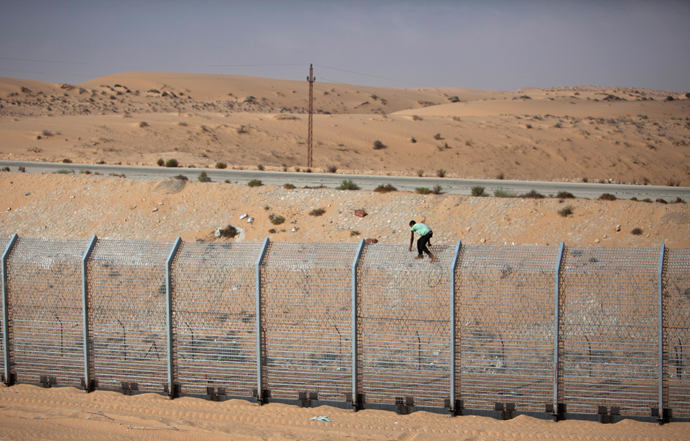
point(366, 182)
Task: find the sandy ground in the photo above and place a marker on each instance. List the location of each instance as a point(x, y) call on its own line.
point(31, 413)
point(573, 134)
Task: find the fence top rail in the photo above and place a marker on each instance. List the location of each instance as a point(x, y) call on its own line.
point(600, 260)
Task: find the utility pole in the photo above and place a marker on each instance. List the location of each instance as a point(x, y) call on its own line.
point(311, 80)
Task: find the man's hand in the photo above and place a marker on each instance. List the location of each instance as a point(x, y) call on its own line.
point(410, 247)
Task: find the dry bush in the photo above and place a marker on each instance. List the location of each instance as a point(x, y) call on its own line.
point(636, 231)
point(317, 212)
point(285, 116)
point(378, 145)
point(385, 188)
point(221, 165)
point(332, 169)
point(228, 232)
point(441, 173)
point(420, 172)
point(564, 195)
point(566, 211)
point(607, 197)
point(438, 137)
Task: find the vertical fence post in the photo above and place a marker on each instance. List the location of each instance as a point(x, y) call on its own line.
point(556, 411)
point(259, 381)
point(5, 312)
point(661, 415)
point(355, 400)
point(88, 386)
point(453, 266)
point(172, 392)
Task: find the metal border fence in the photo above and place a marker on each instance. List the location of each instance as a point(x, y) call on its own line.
point(549, 331)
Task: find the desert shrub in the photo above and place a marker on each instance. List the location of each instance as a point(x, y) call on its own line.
point(260, 167)
point(203, 177)
point(532, 194)
point(378, 145)
point(181, 177)
point(60, 172)
point(288, 186)
point(47, 133)
point(385, 188)
point(228, 232)
point(254, 183)
point(437, 189)
point(143, 124)
point(285, 116)
point(413, 140)
point(566, 211)
point(679, 201)
point(636, 231)
point(21, 169)
point(5, 169)
point(308, 170)
point(500, 176)
point(454, 99)
point(440, 173)
point(276, 220)
point(438, 137)
point(272, 231)
point(529, 126)
point(354, 233)
point(420, 172)
point(182, 124)
point(172, 163)
point(422, 190)
point(501, 193)
point(297, 169)
point(242, 129)
point(317, 212)
point(160, 162)
point(646, 200)
point(478, 191)
point(348, 185)
point(332, 169)
point(607, 197)
point(673, 182)
point(221, 165)
point(564, 195)
point(66, 161)
point(661, 201)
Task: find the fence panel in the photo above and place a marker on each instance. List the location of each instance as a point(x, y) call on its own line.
point(306, 319)
point(44, 285)
point(404, 325)
point(505, 326)
point(4, 241)
point(609, 327)
point(127, 318)
point(677, 332)
point(214, 323)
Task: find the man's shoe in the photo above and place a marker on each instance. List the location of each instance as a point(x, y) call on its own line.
point(420, 256)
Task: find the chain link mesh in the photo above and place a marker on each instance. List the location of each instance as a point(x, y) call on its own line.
point(609, 327)
point(46, 317)
point(307, 320)
point(404, 325)
point(127, 318)
point(4, 241)
point(214, 318)
point(677, 331)
point(505, 326)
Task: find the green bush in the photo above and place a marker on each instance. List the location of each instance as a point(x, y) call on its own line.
point(254, 183)
point(607, 197)
point(501, 193)
point(478, 191)
point(203, 177)
point(566, 211)
point(288, 186)
point(276, 220)
point(564, 195)
point(348, 185)
point(228, 231)
point(172, 163)
point(422, 190)
point(160, 162)
point(532, 194)
point(221, 165)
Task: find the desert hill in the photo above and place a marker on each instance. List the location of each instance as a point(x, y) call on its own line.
point(568, 133)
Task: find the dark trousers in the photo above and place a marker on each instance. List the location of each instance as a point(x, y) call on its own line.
point(421, 243)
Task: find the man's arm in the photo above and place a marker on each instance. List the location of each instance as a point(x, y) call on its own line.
point(411, 239)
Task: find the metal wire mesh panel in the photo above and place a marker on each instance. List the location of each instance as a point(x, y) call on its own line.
point(214, 323)
point(4, 241)
point(505, 326)
point(609, 329)
point(404, 325)
point(127, 320)
point(44, 286)
point(676, 309)
point(306, 319)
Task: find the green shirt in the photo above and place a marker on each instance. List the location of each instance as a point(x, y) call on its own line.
point(421, 229)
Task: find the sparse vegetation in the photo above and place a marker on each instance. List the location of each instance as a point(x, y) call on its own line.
point(413, 140)
point(478, 191)
point(679, 201)
point(181, 177)
point(437, 189)
point(332, 169)
point(500, 176)
point(673, 182)
point(289, 186)
point(440, 173)
point(60, 172)
point(564, 195)
point(532, 194)
point(203, 177)
point(254, 183)
point(317, 212)
point(47, 133)
point(260, 167)
point(276, 220)
point(172, 163)
point(385, 188)
point(160, 162)
point(143, 124)
point(501, 193)
point(438, 137)
point(636, 231)
point(420, 172)
point(661, 201)
point(607, 197)
point(348, 185)
point(66, 161)
point(242, 129)
point(228, 232)
point(422, 190)
point(566, 211)
point(354, 233)
point(378, 145)
point(221, 165)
